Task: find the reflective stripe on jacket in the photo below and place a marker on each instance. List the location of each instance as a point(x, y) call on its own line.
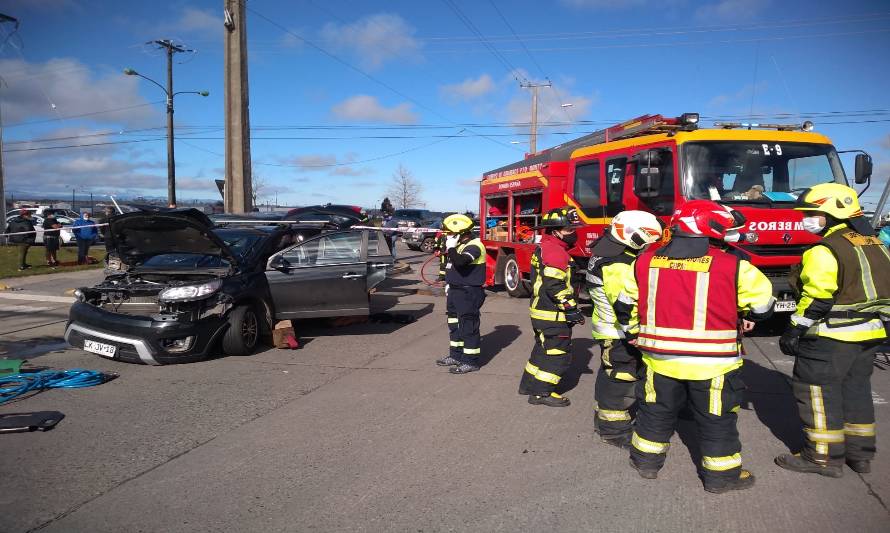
point(844, 287)
point(551, 278)
point(689, 311)
point(472, 274)
point(606, 278)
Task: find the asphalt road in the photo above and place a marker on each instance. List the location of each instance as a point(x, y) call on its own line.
point(360, 431)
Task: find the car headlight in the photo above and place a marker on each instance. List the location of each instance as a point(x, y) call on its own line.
point(190, 292)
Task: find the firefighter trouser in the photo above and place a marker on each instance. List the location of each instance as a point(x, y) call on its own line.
point(714, 404)
point(831, 383)
point(462, 308)
point(551, 357)
point(614, 389)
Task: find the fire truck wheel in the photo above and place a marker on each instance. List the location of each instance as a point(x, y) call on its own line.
point(516, 286)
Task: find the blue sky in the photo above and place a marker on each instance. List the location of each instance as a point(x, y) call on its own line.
point(419, 72)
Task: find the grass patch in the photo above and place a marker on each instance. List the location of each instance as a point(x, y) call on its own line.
point(67, 256)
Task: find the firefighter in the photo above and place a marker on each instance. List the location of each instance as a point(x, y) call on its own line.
point(464, 277)
point(689, 296)
point(553, 309)
point(442, 252)
point(611, 264)
point(843, 284)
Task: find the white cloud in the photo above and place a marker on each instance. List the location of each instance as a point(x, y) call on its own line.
point(730, 10)
point(67, 87)
point(364, 108)
point(191, 22)
point(375, 39)
point(470, 88)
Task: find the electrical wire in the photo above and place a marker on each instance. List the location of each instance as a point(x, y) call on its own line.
point(511, 70)
point(14, 386)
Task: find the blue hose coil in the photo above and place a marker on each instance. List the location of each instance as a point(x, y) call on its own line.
point(75, 378)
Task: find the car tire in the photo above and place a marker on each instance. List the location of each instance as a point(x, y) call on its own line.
point(512, 276)
point(428, 245)
point(243, 333)
point(412, 247)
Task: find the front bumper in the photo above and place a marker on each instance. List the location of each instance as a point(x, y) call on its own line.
point(139, 339)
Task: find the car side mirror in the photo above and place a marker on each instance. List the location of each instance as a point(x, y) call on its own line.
point(647, 181)
point(279, 263)
point(863, 168)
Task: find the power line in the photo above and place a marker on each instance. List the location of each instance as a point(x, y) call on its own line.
point(354, 68)
point(513, 71)
point(82, 115)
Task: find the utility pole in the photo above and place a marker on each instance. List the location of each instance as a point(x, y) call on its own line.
point(171, 48)
point(533, 138)
point(15, 22)
point(238, 187)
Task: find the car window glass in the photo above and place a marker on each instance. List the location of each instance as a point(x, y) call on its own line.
point(327, 250)
point(587, 188)
point(377, 245)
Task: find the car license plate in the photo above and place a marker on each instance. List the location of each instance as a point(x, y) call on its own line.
point(105, 350)
point(786, 306)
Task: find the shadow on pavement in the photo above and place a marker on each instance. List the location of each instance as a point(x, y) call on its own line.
point(495, 341)
point(769, 394)
point(32, 348)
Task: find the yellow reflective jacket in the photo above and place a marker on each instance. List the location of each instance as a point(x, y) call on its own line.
point(605, 280)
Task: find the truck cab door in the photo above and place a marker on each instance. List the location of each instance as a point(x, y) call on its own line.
point(321, 277)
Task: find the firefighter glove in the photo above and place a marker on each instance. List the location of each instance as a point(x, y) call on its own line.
point(790, 340)
point(574, 316)
point(451, 241)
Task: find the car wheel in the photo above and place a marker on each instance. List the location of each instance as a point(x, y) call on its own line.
point(243, 333)
point(412, 247)
point(428, 245)
point(516, 286)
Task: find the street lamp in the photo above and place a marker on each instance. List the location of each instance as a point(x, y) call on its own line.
point(171, 160)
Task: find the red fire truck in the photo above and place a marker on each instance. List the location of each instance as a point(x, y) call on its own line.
point(654, 163)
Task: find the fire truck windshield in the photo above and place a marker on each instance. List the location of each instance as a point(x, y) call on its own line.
point(736, 172)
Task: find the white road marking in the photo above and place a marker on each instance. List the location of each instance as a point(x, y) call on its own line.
point(36, 297)
point(23, 308)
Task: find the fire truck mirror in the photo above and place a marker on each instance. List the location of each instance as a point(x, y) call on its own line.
point(647, 182)
point(863, 168)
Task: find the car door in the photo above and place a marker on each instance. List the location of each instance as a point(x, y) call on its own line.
point(379, 258)
point(323, 276)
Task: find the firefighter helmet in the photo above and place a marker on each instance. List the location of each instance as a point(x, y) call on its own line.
point(457, 223)
point(704, 218)
point(562, 217)
point(635, 228)
point(839, 201)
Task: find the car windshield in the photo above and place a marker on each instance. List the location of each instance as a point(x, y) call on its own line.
point(732, 171)
point(239, 242)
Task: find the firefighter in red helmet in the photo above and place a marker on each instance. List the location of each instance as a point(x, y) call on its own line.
point(688, 298)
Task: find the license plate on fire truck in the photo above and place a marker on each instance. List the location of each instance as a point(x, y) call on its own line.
point(105, 350)
point(785, 306)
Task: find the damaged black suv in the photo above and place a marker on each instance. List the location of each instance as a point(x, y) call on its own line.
point(177, 289)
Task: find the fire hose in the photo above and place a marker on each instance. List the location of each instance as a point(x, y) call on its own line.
point(423, 277)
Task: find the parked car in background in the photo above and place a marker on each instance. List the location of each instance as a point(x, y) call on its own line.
point(408, 218)
point(423, 237)
point(339, 216)
point(67, 237)
point(177, 289)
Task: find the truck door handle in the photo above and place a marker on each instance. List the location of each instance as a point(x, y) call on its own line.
point(352, 276)
point(379, 265)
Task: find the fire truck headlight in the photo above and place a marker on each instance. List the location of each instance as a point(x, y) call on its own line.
point(689, 119)
point(807, 126)
point(751, 237)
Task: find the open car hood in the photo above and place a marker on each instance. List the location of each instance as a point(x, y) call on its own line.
point(137, 236)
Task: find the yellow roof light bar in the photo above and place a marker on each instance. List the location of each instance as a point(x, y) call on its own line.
point(806, 126)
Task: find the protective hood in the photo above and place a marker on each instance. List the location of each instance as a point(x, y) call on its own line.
point(137, 236)
point(607, 246)
point(682, 247)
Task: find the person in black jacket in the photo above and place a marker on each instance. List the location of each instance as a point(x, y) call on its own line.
point(51, 237)
point(20, 225)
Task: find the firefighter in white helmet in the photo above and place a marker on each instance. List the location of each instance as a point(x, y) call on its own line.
point(609, 269)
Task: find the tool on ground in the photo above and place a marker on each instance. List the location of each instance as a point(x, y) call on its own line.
point(23, 422)
point(16, 385)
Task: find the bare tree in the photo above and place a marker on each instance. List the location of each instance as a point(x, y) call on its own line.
point(405, 190)
point(258, 186)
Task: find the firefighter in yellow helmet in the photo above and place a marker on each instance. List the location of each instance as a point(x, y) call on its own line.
point(464, 278)
point(843, 284)
point(609, 269)
point(553, 309)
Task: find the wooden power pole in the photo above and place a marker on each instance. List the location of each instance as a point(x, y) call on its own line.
point(533, 137)
point(238, 187)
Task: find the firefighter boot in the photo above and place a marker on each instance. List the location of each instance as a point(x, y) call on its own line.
point(796, 463)
point(550, 400)
point(619, 441)
point(463, 368)
point(645, 473)
point(744, 481)
point(447, 361)
point(860, 466)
